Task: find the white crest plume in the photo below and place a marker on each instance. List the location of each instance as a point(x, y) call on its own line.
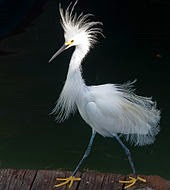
point(74, 24)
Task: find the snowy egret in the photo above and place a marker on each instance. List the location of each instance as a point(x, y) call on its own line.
point(111, 110)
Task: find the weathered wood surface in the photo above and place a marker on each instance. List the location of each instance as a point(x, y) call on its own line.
point(11, 179)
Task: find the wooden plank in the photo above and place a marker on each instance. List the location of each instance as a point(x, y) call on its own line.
point(28, 179)
point(152, 183)
point(16, 179)
point(91, 182)
point(157, 182)
point(11, 179)
point(111, 182)
point(5, 176)
point(99, 181)
point(45, 180)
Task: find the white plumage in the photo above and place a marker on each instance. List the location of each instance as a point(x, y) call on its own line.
point(109, 109)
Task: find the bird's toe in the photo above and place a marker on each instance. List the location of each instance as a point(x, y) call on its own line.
point(68, 180)
point(132, 181)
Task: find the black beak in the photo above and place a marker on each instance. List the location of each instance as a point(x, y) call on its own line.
point(64, 47)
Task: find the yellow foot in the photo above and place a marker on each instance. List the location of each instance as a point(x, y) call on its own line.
point(69, 180)
point(132, 181)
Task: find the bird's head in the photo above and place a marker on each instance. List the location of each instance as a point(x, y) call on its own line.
point(79, 30)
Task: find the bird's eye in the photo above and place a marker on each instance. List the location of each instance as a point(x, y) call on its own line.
point(69, 43)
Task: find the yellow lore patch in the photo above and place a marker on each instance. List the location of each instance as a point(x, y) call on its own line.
point(69, 43)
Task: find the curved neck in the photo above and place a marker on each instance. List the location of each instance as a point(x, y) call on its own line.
point(74, 87)
point(74, 76)
point(76, 59)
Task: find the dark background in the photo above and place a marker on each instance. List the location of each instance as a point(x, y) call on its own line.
point(137, 46)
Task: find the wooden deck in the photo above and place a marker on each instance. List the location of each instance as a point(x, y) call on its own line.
point(11, 179)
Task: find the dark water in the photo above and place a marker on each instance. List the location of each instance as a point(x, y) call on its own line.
point(30, 138)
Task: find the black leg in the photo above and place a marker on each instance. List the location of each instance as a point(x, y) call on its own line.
point(127, 153)
point(87, 152)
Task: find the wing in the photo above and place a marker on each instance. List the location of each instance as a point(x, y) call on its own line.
point(96, 119)
point(116, 109)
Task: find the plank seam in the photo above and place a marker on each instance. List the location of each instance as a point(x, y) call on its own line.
point(123, 185)
point(102, 184)
point(81, 174)
point(31, 185)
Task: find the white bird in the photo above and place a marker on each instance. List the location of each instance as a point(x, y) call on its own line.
point(109, 109)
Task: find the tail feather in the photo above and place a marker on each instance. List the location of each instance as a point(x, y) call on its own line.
point(142, 114)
